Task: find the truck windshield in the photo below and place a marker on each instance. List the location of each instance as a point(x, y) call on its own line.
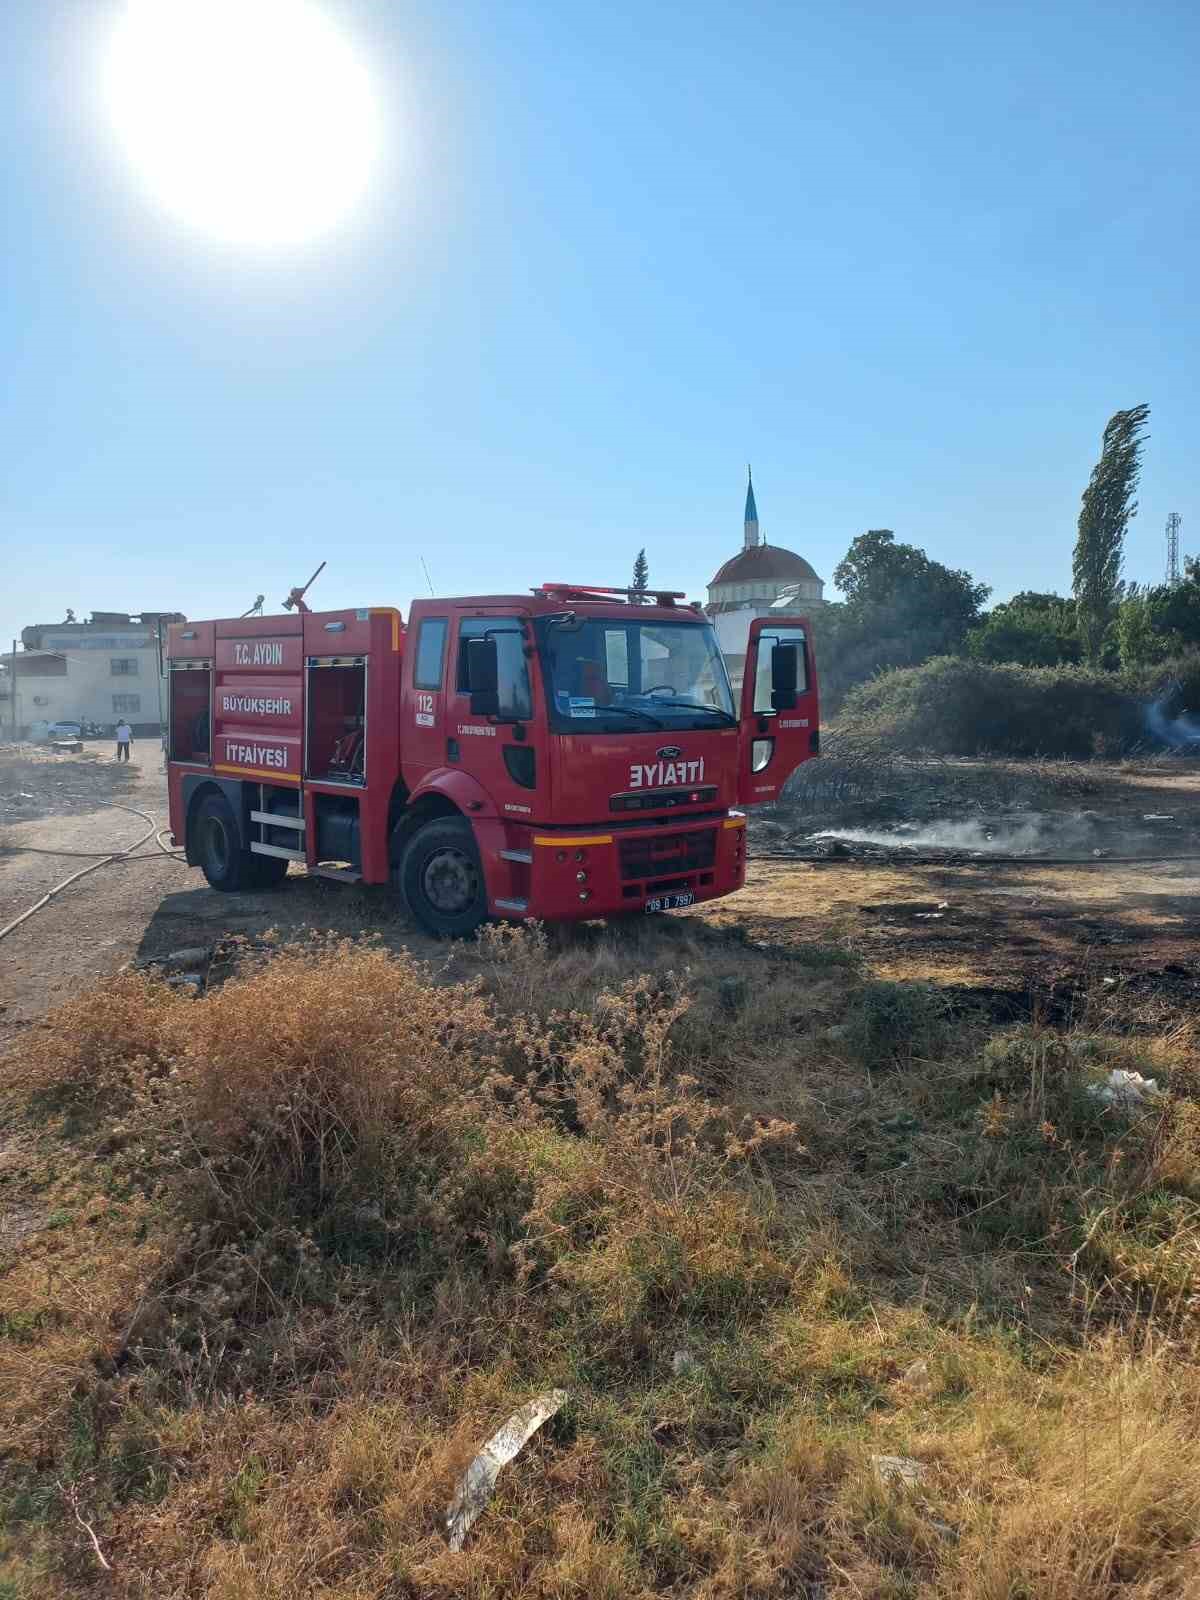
point(610, 676)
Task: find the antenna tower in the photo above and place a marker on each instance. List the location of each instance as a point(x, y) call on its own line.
point(1173, 522)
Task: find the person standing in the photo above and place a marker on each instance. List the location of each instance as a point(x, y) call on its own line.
point(124, 739)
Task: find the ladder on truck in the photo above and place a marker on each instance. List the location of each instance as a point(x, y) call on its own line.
point(262, 819)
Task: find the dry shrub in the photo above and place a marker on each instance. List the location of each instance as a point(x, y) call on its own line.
point(641, 1214)
point(327, 1069)
point(100, 1047)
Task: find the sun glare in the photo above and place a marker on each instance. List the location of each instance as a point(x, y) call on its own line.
point(250, 120)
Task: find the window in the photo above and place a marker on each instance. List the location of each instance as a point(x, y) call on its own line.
point(767, 640)
point(126, 702)
point(124, 666)
point(516, 699)
point(603, 677)
point(431, 648)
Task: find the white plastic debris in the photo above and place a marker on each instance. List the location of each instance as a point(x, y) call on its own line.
point(899, 1469)
point(1158, 816)
point(682, 1361)
point(477, 1482)
point(1128, 1090)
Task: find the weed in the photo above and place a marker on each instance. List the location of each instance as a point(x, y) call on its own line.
point(639, 1170)
point(895, 1024)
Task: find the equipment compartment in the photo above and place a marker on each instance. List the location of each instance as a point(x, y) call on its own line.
point(337, 726)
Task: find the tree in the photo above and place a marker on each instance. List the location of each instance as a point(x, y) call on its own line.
point(900, 609)
point(641, 573)
point(1160, 621)
point(1031, 630)
point(1108, 506)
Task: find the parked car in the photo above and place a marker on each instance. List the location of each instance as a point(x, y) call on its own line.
point(74, 728)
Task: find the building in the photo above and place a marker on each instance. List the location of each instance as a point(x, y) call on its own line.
point(762, 580)
point(96, 671)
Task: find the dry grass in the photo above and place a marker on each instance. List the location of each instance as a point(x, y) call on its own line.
point(305, 1242)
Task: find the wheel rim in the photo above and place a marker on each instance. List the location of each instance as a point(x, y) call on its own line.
point(450, 881)
point(218, 846)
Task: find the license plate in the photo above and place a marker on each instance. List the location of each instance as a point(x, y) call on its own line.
point(670, 902)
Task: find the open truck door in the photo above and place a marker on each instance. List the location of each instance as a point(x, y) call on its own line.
point(779, 721)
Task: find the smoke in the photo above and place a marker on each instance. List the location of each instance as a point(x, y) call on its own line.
point(1008, 836)
point(1181, 731)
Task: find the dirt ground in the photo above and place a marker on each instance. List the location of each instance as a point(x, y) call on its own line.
point(1011, 927)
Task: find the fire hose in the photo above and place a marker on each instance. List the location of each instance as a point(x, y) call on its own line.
point(111, 859)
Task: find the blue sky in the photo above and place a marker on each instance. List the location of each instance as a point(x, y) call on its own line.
point(906, 259)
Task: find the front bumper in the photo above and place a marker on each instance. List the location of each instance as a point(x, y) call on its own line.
point(577, 873)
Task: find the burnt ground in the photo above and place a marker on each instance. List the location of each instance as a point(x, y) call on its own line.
point(1028, 937)
point(1023, 937)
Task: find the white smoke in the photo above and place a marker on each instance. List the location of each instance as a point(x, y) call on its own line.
point(1179, 731)
point(1010, 836)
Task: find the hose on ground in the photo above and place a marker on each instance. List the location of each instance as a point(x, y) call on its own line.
point(114, 857)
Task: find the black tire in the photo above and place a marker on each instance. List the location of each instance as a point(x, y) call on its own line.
point(218, 848)
point(441, 877)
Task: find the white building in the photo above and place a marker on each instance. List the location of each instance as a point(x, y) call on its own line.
point(762, 580)
point(98, 671)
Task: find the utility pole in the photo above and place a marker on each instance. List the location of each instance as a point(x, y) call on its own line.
point(1173, 522)
point(13, 687)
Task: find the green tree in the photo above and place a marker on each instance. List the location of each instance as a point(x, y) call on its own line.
point(900, 609)
point(1107, 508)
point(1135, 633)
point(1031, 630)
point(641, 573)
point(1160, 621)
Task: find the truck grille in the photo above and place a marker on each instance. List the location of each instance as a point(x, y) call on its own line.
point(660, 856)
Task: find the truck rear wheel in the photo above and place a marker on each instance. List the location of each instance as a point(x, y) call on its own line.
point(227, 866)
point(441, 877)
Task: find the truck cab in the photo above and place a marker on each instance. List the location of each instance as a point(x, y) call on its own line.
point(567, 754)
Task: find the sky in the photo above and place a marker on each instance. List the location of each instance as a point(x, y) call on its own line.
point(904, 259)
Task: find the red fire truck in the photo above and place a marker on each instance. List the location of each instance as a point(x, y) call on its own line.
point(574, 752)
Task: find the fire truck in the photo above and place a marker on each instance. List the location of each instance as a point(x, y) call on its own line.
point(572, 753)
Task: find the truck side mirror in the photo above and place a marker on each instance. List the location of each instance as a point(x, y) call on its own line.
point(483, 676)
point(785, 675)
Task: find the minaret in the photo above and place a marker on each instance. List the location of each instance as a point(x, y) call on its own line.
point(751, 513)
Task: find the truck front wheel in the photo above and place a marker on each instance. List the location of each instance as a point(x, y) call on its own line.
point(442, 878)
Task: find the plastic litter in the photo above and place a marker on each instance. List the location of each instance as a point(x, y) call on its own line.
point(1125, 1089)
point(477, 1482)
point(683, 1361)
point(899, 1469)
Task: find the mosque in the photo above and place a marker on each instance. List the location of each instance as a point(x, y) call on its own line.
point(762, 580)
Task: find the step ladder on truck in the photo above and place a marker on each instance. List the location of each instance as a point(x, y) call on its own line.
point(571, 753)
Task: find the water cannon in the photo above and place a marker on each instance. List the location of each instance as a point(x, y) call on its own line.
point(295, 599)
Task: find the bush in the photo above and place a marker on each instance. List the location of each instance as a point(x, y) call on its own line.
point(952, 706)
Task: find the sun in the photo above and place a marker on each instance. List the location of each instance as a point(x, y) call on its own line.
point(252, 121)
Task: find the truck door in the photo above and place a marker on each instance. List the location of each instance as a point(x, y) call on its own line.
point(496, 747)
point(780, 723)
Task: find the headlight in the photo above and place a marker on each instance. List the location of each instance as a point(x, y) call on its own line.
point(761, 752)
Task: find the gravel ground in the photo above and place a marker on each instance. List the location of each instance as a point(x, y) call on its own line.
point(70, 803)
point(137, 910)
